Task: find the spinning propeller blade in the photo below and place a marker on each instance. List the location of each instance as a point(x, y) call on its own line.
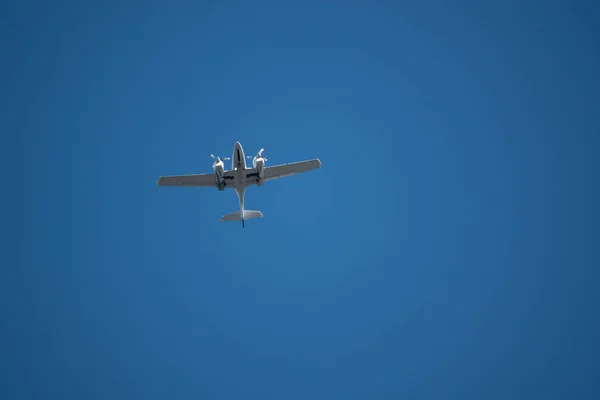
point(258, 155)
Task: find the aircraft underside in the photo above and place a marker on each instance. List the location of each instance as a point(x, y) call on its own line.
point(239, 177)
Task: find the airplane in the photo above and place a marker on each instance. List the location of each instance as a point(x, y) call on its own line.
point(239, 177)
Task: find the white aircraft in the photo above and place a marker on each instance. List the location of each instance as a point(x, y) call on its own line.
point(239, 177)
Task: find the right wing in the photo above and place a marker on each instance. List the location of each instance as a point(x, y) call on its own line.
point(188, 180)
point(280, 171)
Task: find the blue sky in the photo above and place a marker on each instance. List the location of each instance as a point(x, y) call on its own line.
point(447, 248)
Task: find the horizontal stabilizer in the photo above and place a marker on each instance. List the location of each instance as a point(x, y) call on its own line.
point(252, 214)
point(235, 216)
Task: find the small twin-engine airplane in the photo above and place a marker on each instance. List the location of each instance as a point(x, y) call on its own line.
point(239, 177)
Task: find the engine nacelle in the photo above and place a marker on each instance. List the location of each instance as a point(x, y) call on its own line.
point(259, 164)
point(219, 168)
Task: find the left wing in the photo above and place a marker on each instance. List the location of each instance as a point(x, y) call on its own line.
point(280, 171)
point(188, 180)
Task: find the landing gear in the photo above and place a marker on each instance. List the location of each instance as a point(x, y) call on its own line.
point(243, 226)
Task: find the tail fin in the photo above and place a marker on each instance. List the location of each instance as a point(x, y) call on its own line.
point(235, 216)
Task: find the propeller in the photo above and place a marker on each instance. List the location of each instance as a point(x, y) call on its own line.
point(218, 158)
point(259, 154)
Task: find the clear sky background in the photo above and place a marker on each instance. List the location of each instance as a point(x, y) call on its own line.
point(447, 248)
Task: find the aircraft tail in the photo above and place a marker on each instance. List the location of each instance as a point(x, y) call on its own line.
point(248, 214)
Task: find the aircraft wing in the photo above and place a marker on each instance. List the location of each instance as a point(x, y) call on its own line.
point(280, 171)
point(208, 180)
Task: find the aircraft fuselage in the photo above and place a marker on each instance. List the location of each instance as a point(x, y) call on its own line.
point(238, 165)
point(238, 160)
